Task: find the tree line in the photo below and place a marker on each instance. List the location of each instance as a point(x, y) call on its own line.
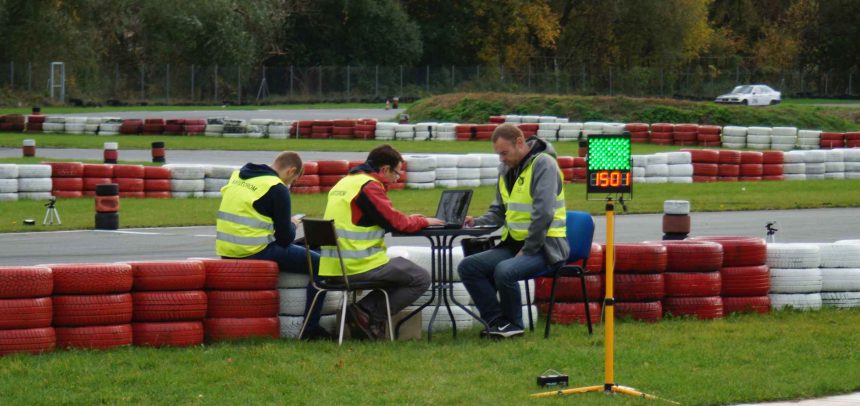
point(766, 35)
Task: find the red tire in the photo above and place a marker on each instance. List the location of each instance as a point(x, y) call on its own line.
point(94, 337)
point(33, 340)
point(693, 256)
point(569, 313)
point(662, 127)
point(137, 195)
point(595, 259)
point(307, 180)
point(757, 304)
point(176, 334)
point(705, 308)
point(157, 195)
point(729, 157)
point(772, 170)
point(750, 170)
point(156, 172)
point(664, 137)
point(310, 168)
point(330, 180)
point(773, 177)
point(751, 157)
point(710, 129)
point(636, 127)
point(701, 169)
point(703, 156)
point(240, 274)
point(66, 169)
point(569, 289)
point(565, 162)
point(772, 157)
point(236, 329)
point(169, 306)
point(67, 194)
point(67, 184)
point(679, 224)
point(128, 171)
point(696, 284)
point(98, 171)
point(641, 311)
point(639, 287)
point(740, 251)
point(17, 282)
point(91, 278)
point(304, 190)
point(168, 275)
point(745, 281)
point(130, 184)
point(92, 310)
point(699, 179)
point(91, 183)
point(156, 185)
point(728, 170)
point(16, 314)
point(639, 258)
point(242, 303)
point(684, 138)
point(333, 167)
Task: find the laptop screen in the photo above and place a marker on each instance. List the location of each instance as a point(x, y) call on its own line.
point(453, 206)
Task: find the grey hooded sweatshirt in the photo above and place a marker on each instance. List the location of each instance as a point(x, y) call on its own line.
point(546, 184)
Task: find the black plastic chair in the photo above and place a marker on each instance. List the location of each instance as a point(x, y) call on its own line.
point(580, 233)
point(322, 233)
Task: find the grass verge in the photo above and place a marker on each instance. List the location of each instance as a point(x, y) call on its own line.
point(648, 198)
point(743, 358)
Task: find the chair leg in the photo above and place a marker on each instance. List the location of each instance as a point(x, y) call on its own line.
point(551, 305)
point(342, 317)
point(585, 299)
point(307, 316)
point(388, 312)
point(529, 306)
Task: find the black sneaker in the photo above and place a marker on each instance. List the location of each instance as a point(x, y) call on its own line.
point(359, 323)
point(485, 333)
point(318, 333)
point(508, 330)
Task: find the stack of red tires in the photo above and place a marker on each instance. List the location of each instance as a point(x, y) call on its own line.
point(26, 310)
point(67, 179)
point(639, 281)
point(744, 273)
point(569, 303)
point(330, 172)
point(692, 279)
point(130, 179)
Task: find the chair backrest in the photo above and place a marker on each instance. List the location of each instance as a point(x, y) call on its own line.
point(321, 233)
point(580, 233)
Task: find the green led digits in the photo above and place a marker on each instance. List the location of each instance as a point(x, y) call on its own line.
point(608, 153)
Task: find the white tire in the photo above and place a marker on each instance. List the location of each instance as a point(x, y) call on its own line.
point(546, 119)
point(814, 156)
point(34, 171)
point(639, 180)
point(188, 195)
point(785, 131)
point(8, 171)
point(385, 125)
point(410, 128)
point(793, 255)
point(676, 158)
point(816, 177)
point(834, 155)
point(445, 136)
point(734, 145)
point(794, 169)
point(529, 119)
point(404, 135)
point(758, 139)
point(658, 159)
point(187, 185)
point(189, 172)
point(288, 280)
point(489, 172)
point(447, 183)
point(291, 326)
point(834, 167)
point(795, 280)
point(783, 140)
point(758, 147)
point(293, 301)
point(211, 195)
point(656, 179)
point(422, 135)
point(569, 135)
point(384, 134)
point(849, 167)
point(446, 173)
point(549, 126)
point(8, 185)
point(812, 134)
point(851, 155)
point(547, 134)
point(219, 171)
point(735, 131)
point(638, 171)
point(839, 255)
point(469, 183)
point(513, 118)
point(656, 170)
point(420, 163)
point(468, 161)
point(489, 181)
point(234, 135)
point(489, 160)
point(676, 207)
point(844, 300)
point(840, 279)
point(34, 185)
point(442, 322)
point(447, 160)
point(75, 128)
point(801, 176)
point(421, 177)
point(8, 197)
point(570, 127)
point(421, 256)
point(815, 169)
point(34, 195)
point(468, 173)
point(736, 139)
point(214, 184)
point(811, 301)
point(639, 160)
point(680, 170)
point(834, 175)
point(759, 131)
point(421, 185)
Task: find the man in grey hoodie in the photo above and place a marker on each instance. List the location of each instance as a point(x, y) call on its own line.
point(530, 208)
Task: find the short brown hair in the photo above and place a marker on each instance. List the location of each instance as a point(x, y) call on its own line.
point(288, 159)
point(384, 155)
point(507, 132)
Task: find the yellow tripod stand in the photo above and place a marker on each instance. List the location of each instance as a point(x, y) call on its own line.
point(609, 386)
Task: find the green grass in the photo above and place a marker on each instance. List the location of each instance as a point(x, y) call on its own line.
point(820, 101)
point(47, 110)
point(648, 198)
point(743, 358)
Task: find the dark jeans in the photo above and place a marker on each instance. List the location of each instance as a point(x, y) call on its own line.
point(410, 281)
point(292, 259)
point(499, 270)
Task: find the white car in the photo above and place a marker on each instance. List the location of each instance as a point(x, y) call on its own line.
point(751, 95)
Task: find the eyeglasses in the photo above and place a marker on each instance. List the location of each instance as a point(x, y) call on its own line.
point(395, 171)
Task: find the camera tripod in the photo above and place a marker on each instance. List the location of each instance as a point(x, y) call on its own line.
point(51, 212)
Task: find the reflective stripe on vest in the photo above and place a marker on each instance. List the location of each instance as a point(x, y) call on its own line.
point(241, 231)
point(519, 205)
point(362, 248)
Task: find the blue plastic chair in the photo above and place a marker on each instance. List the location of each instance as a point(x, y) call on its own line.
point(580, 233)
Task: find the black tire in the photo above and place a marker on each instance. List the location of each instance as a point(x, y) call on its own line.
point(107, 189)
point(107, 221)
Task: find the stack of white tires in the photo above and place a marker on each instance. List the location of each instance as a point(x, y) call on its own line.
point(592, 128)
point(783, 138)
point(569, 132)
point(187, 180)
point(292, 294)
point(795, 276)
point(548, 131)
point(424, 131)
point(216, 177)
point(657, 169)
point(489, 169)
point(815, 164)
point(8, 182)
point(235, 128)
point(808, 139)
point(34, 182)
point(794, 165)
point(446, 170)
point(421, 171)
point(403, 132)
point(734, 137)
point(469, 170)
point(840, 274)
point(385, 131)
point(110, 126)
point(851, 158)
point(54, 125)
point(214, 127)
point(279, 129)
point(759, 137)
point(638, 165)
point(680, 167)
point(834, 164)
point(444, 132)
point(75, 125)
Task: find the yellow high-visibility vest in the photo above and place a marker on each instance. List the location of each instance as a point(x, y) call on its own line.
point(518, 205)
point(362, 248)
point(241, 231)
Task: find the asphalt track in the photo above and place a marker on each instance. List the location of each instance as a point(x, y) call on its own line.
point(816, 225)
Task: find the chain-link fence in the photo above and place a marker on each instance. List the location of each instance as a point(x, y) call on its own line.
point(213, 84)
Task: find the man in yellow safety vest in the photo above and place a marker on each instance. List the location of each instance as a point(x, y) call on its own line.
point(529, 204)
point(362, 214)
point(255, 222)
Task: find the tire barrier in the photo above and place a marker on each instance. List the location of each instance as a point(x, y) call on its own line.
point(107, 206)
point(111, 153)
point(26, 310)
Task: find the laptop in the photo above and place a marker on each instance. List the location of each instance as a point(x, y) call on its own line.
point(453, 207)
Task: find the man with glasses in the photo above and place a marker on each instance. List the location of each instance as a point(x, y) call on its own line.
point(362, 214)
